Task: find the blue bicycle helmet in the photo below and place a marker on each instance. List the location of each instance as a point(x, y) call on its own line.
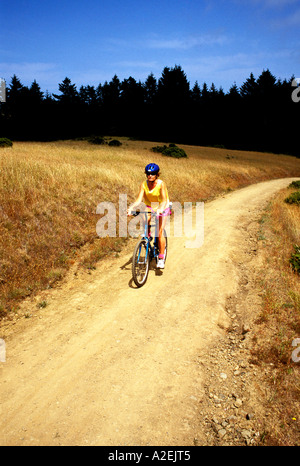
point(151, 169)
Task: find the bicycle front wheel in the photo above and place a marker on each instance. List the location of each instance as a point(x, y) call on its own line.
point(140, 263)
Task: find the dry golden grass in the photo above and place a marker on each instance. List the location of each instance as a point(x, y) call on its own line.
point(279, 323)
point(49, 193)
point(282, 284)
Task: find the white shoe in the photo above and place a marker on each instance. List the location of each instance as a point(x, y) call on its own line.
point(160, 264)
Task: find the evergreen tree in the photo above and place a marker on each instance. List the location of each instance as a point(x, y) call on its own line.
point(268, 116)
point(150, 89)
point(88, 95)
point(70, 121)
point(131, 106)
point(266, 84)
point(174, 99)
point(111, 93)
point(15, 91)
point(257, 116)
point(204, 93)
point(213, 91)
point(35, 94)
point(196, 93)
point(233, 93)
point(131, 92)
point(110, 97)
point(17, 109)
point(69, 94)
point(173, 86)
point(249, 88)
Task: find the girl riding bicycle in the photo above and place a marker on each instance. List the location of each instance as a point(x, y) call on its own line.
point(154, 193)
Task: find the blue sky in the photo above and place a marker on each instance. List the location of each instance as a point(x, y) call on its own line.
point(214, 41)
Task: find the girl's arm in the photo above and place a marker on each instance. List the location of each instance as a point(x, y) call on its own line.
point(137, 201)
point(164, 201)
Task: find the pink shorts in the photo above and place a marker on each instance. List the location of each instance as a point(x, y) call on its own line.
point(165, 213)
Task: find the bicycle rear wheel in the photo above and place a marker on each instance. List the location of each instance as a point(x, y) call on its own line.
point(140, 263)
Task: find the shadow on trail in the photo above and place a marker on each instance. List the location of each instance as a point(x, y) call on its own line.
point(152, 267)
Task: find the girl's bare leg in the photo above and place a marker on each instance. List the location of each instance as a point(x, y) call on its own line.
point(161, 238)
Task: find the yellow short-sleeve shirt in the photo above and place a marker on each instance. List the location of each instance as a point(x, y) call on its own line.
point(155, 194)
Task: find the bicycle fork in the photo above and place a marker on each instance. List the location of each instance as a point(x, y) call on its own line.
point(146, 255)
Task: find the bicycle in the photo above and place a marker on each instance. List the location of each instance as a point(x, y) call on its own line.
point(145, 250)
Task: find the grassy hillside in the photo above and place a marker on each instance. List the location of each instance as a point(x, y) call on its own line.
point(278, 323)
point(49, 193)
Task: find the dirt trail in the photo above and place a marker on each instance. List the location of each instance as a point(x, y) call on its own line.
point(107, 364)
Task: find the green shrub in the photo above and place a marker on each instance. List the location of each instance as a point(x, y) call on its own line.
point(159, 149)
point(174, 152)
point(171, 151)
point(294, 198)
point(42, 304)
point(114, 143)
point(295, 259)
point(4, 142)
point(96, 140)
point(295, 184)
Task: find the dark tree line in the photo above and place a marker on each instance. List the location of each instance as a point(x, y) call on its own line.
point(259, 115)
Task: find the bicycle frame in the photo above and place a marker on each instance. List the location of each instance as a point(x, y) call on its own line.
point(154, 251)
point(145, 251)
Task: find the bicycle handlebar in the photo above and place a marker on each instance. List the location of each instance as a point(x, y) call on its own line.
point(135, 214)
